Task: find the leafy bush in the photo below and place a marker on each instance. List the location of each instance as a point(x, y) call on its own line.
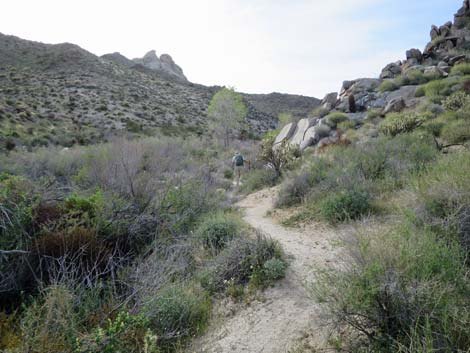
point(217, 230)
point(277, 157)
point(420, 91)
point(274, 269)
point(347, 125)
point(333, 119)
point(456, 131)
point(398, 123)
point(437, 90)
point(126, 333)
point(177, 312)
point(388, 86)
point(345, 205)
point(405, 284)
point(258, 179)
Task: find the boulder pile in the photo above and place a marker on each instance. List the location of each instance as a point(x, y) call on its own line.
point(447, 48)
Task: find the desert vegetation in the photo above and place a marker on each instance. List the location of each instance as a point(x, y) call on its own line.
point(122, 246)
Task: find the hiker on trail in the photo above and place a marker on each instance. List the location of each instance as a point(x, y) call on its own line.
point(238, 163)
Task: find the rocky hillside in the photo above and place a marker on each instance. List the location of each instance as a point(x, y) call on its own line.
point(62, 94)
point(424, 78)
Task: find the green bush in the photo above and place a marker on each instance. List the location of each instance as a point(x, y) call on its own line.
point(215, 231)
point(296, 188)
point(460, 69)
point(404, 284)
point(243, 259)
point(398, 123)
point(50, 323)
point(345, 205)
point(228, 174)
point(456, 131)
point(388, 86)
point(322, 131)
point(333, 119)
point(420, 91)
point(457, 101)
point(177, 312)
point(126, 333)
point(274, 269)
point(258, 179)
point(437, 90)
point(347, 125)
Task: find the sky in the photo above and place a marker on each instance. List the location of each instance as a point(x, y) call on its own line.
point(303, 47)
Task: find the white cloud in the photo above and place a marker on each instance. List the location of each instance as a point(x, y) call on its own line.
point(296, 46)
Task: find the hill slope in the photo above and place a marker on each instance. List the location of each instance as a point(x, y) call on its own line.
point(62, 94)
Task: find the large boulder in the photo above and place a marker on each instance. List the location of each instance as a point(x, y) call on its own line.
point(392, 70)
point(311, 137)
point(414, 54)
point(395, 106)
point(302, 126)
point(330, 100)
point(434, 32)
point(286, 133)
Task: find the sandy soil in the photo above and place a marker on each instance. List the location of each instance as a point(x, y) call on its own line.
point(287, 312)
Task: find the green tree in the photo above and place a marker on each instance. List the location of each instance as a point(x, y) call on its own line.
point(227, 112)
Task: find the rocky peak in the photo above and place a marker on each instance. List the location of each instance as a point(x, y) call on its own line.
point(163, 64)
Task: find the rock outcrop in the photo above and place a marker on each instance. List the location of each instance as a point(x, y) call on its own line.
point(448, 47)
point(163, 64)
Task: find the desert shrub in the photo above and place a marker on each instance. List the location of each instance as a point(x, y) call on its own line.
point(177, 312)
point(460, 69)
point(297, 187)
point(456, 101)
point(50, 324)
point(420, 91)
point(126, 333)
point(228, 174)
point(333, 119)
point(444, 197)
point(215, 231)
point(17, 200)
point(437, 90)
point(181, 206)
point(319, 112)
point(258, 179)
point(405, 283)
point(277, 157)
point(242, 259)
point(274, 269)
point(322, 131)
point(347, 125)
point(398, 123)
point(373, 114)
point(388, 86)
point(456, 131)
point(345, 205)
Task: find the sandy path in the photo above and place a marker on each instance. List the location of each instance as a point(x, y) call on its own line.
point(287, 313)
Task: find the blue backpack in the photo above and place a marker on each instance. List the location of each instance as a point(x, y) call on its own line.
point(239, 160)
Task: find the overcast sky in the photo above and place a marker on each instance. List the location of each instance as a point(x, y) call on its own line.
point(258, 46)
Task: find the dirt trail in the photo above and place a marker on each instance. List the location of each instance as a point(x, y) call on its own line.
point(287, 313)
